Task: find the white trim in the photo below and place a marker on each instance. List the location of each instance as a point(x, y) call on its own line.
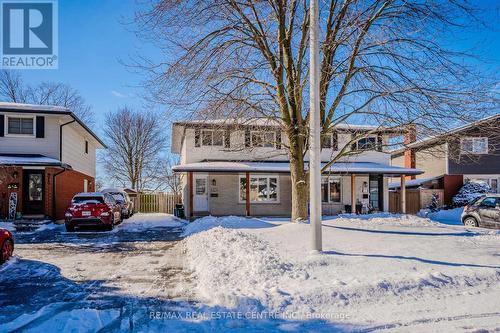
point(6, 126)
point(259, 175)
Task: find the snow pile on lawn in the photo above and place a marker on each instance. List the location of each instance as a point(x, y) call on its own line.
point(139, 222)
point(385, 219)
point(395, 271)
point(233, 222)
point(242, 271)
point(446, 216)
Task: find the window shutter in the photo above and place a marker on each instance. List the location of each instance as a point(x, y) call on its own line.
point(196, 137)
point(247, 138)
point(40, 127)
point(379, 143)
point(278, 140)
point(335, 141)
point(2, 124)
point(227, 139)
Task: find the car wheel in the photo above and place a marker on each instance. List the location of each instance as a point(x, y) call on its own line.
point(6, 251)
point(470, 221)
point(70, 228)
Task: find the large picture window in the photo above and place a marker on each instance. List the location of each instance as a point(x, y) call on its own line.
point(474, 146)
point(262, 188)
point(20, 126)
point(330, 189)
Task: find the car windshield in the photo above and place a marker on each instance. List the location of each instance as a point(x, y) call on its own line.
point(117, 196)
point(88, 200)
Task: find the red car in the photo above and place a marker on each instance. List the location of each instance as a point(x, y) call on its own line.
point(92, 209)
point(7, 245)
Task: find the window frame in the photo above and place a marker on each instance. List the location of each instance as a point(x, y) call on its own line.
point(6, 126)
point(366, 138)
point(212, 131)
point(258, 175)
point(272, 144)
point(328, 189)
point(473, 139)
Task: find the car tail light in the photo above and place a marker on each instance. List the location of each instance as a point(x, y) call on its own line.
point(466, 208)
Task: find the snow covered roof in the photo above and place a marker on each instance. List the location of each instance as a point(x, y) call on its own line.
point(283, 167)
point(30, 159)
point(49, 109)
point(413, 182)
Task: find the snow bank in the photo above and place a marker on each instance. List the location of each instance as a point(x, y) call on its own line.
point(449, 216)
point(233, 222)
point(7, 225)
point(139, 222)
point(384, 219)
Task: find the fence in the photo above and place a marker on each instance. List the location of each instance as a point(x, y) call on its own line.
point(415, 200)
point(156, 202)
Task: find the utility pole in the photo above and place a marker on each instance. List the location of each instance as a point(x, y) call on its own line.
point(314, 130)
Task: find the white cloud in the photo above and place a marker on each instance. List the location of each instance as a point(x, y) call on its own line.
point(118, 94)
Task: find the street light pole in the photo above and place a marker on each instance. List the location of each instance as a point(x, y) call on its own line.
point(314, 130)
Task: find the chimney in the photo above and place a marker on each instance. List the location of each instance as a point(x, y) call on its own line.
point(410, 136)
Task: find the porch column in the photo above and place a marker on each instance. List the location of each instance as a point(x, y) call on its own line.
point(353, 193)
point(403, 194)
point(190, 193)
point(247, 190)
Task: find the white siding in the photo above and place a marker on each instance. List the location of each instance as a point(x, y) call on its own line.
point(73, 151)
point(48, 146)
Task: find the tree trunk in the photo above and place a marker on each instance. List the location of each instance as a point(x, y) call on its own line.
point(300, 196)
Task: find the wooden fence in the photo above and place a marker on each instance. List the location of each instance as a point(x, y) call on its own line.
point(156, 202)
point(415, 200)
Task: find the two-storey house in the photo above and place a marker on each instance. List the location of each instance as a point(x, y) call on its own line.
point(241, 167)
point(47, 154)
point(467, 153)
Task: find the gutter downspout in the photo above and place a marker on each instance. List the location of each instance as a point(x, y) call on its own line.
point(54, 192)
point(60, 137)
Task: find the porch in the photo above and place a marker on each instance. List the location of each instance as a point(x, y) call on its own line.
point(220, 188)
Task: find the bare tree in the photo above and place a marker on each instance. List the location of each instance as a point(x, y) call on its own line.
point(14, 89)
point(135, 141)
point(382, 63)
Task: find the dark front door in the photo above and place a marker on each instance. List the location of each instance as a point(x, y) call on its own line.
point(33, 191)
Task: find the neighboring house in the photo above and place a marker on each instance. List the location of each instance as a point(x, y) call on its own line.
point(467, 153)
point(219, 158)
point(47, 155)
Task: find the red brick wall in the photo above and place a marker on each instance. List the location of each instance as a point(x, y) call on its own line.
point(68, 184)
point(6, 178)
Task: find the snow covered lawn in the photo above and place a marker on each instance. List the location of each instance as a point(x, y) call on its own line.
point(389, 272)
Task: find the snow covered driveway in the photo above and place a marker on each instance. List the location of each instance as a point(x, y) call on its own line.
point(92, 280)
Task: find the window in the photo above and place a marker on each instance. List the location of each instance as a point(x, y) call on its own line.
point(263, 139)
point(330, 189)
point(489, 202)
point(369, 143)
point(262, 189)
point(86, 147)
point(212, 138)
point(20, 126)
point(474, 145)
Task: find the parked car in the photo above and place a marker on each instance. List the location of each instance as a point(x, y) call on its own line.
point(123, 199)
point(92, 209)
point(483, 212)
point(7, 245)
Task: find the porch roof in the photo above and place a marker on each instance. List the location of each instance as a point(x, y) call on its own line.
point(30, 160)
point(284, 167)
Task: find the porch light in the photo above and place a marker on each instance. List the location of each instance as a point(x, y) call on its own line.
point(214, 182)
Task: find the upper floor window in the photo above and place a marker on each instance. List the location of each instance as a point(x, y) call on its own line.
point(20, 126)
point(329, 141)
point(212, 138)
point(474, 145)
point(263, 139)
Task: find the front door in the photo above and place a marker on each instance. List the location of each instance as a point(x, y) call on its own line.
point(33, 191)
point(200, 193)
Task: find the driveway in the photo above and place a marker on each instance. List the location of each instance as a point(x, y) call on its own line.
point(93, 280)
